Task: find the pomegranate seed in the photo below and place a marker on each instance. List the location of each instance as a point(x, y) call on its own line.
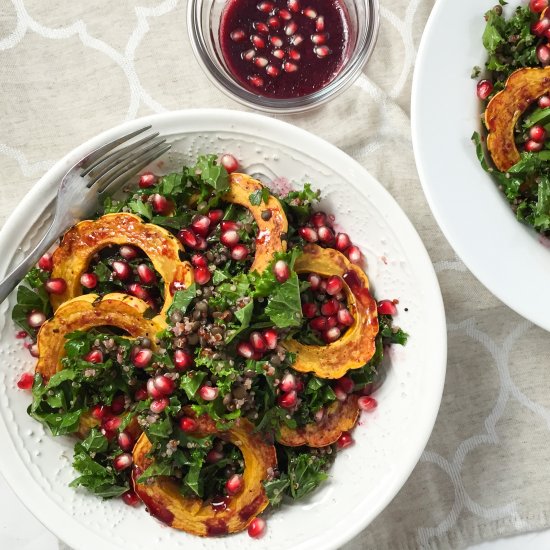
point(281, 270)
point(201, 243)
point(229, 162)
point(229, 238)
point(279, 54)
point(164, 385)
point(340, 394)
point(291, 28)
point(543, 54)
point(322, 51)
point(314, 281)
point(208, 393)
point(237, 35)
point(161, 205)
point(201, 225)
point(272, 71)
point(125, 441)
point(293, 5)
point(310, 12)
point(274, 22)
point(57, 285)
point(99, 411)
point(88, 280)
point(538, 6)
point(118, 405)
point(544, 102)
point(183, 359)
point(484, 89)
point(308, 234)
point(248, 55)
point(533, 146)
point(141, 394)
point(198, 260)
point(128, 252)
point(245, 349)
point(319, 38)
point(261, 27)
point(330, 307)
point(141, 358)
point(345, 440)
point(331, 334)
point(122, 461)
point(146, 274)
point(294, 55)
point(215, 216)
point(147, 179)
point(322, 287)
point(332, 321)
point(158, 405)
point(276, 41)
point(94, 356)
point(188, 424)
point(318, 219)
point(288, 383)
point(121, 270)
point(257, 341)
point(320, 24)
point(386, 307)
point(25, 381)
point(265, 7)
point(234, 484)
point(256, 81)
point(540, 27)
point(309, 310)
point(202, 275)
point(152, 390)
point(139, 292)
point(214, 456)
point(343, 242)
point(334, 286)
point(285, 14)
point(287, 400)
point(256, 528)
point(260, 62)
point(229, 225)
point(319, 415)
point(111, 424)
point(326, 234)
point(35, 319)
point(346, 384)
point(296, 40)
point(188, 238)
point(46, 263)
point(319, 323)
point(270, 337)
point(239, 252)
point(367, 403)
point(258, 41)
point(130, 498)
point(20, 334)
point(354, 254)
point(538, 133)
point(345, 317)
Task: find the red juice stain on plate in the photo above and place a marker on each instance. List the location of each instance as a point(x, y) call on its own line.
point(284, 48)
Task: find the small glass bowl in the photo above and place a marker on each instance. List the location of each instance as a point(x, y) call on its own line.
point(203, 25)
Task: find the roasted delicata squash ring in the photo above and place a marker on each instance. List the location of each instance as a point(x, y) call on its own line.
point(90, 311)
point(357, 345)
point(269, 240)
point(339, 417)
point(166, 503)
point(522, 88)
point(80, 243)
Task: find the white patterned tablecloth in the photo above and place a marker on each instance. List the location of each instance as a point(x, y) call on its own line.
point(71, 69)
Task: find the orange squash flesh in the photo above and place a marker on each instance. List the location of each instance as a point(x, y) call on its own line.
point(269, 239)
point(357, 345)
point(73, 256)
point(339, 417)
point(522, 88)
point(167, 504)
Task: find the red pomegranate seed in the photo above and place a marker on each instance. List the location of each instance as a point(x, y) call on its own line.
point(125, 441)
point(25, 381)
point(141, 358)
point(257, 341)
point(183, 359)
point(158, 405)
point(260, 62)
point(387, 307)
point(188, 424)
point(293, 5)
point(20, 334)
point(540, 27)
point(188, 238)
point(265, 7)
point(330, 307)
point(343, 242)
point(319, 38)
point(57, 285)
point(533, 146)
point(294, 54)
point(544, 102)
point(332, 321)
point(146, 274)
point(118, 405)
point(139, 292)
point(152, 390)
point(257, 41)
point(111, 424)
point(198, 260)
point(279, 54)
point(538, 6)
point(326, 234)
point(345, 317)
point(208, 393)
point(281, 270)
point(256, 528)
point(331, 335)
point(261, 27)
point(334, 286)
point(322, 51)
point(484, 89)
point(234, 484)
point(308, 234)
point(296, 40)
point(216, 215)
point(46, 263)
point(94, 356)
point(161, 205)
point(245, 349)
point(272, 71)
point(147, 179)
point(543, 54)
point(229, 225)
point(88, 280)
point(201, 225)
point(287, 400)
point(239, 252)
point(248, 55)
point(309, 310)
point(346, 384)
point(164, 385)
point(314, 281)
point(310, 12)
point(33, 350)
point(322, 287)
point(229, 238)
point(345, 440)
point(320, 24)
point(99, 412)
point(201, 243)
point(288, 383)
point(319, 323)
point(354, 254)
point(285, 15)
point(141, 394)
point(276, 41)
point(237, 35)
point(121, 270)
point(274, 22)
point(367, 403)
point(538, 133)
point(229, 162)
point(202, 275)
point(130, 498)
point(318, 219)
point(128, 252)
point(122, 461)
point(291, 28)
point(35, 319)
point(340, 394)
point(214, 456)
point(270, 336)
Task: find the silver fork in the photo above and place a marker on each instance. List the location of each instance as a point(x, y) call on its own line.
point(84, 187)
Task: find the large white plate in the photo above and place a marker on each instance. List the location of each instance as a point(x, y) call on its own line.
point(389, 441)
point(505, 255)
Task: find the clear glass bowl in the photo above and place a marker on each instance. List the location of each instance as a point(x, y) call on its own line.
point(203, 24)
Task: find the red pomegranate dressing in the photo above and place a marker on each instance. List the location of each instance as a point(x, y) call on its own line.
point(284, 49)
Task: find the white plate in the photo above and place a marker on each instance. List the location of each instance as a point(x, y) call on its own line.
point(505, 255)
point(389, 441)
